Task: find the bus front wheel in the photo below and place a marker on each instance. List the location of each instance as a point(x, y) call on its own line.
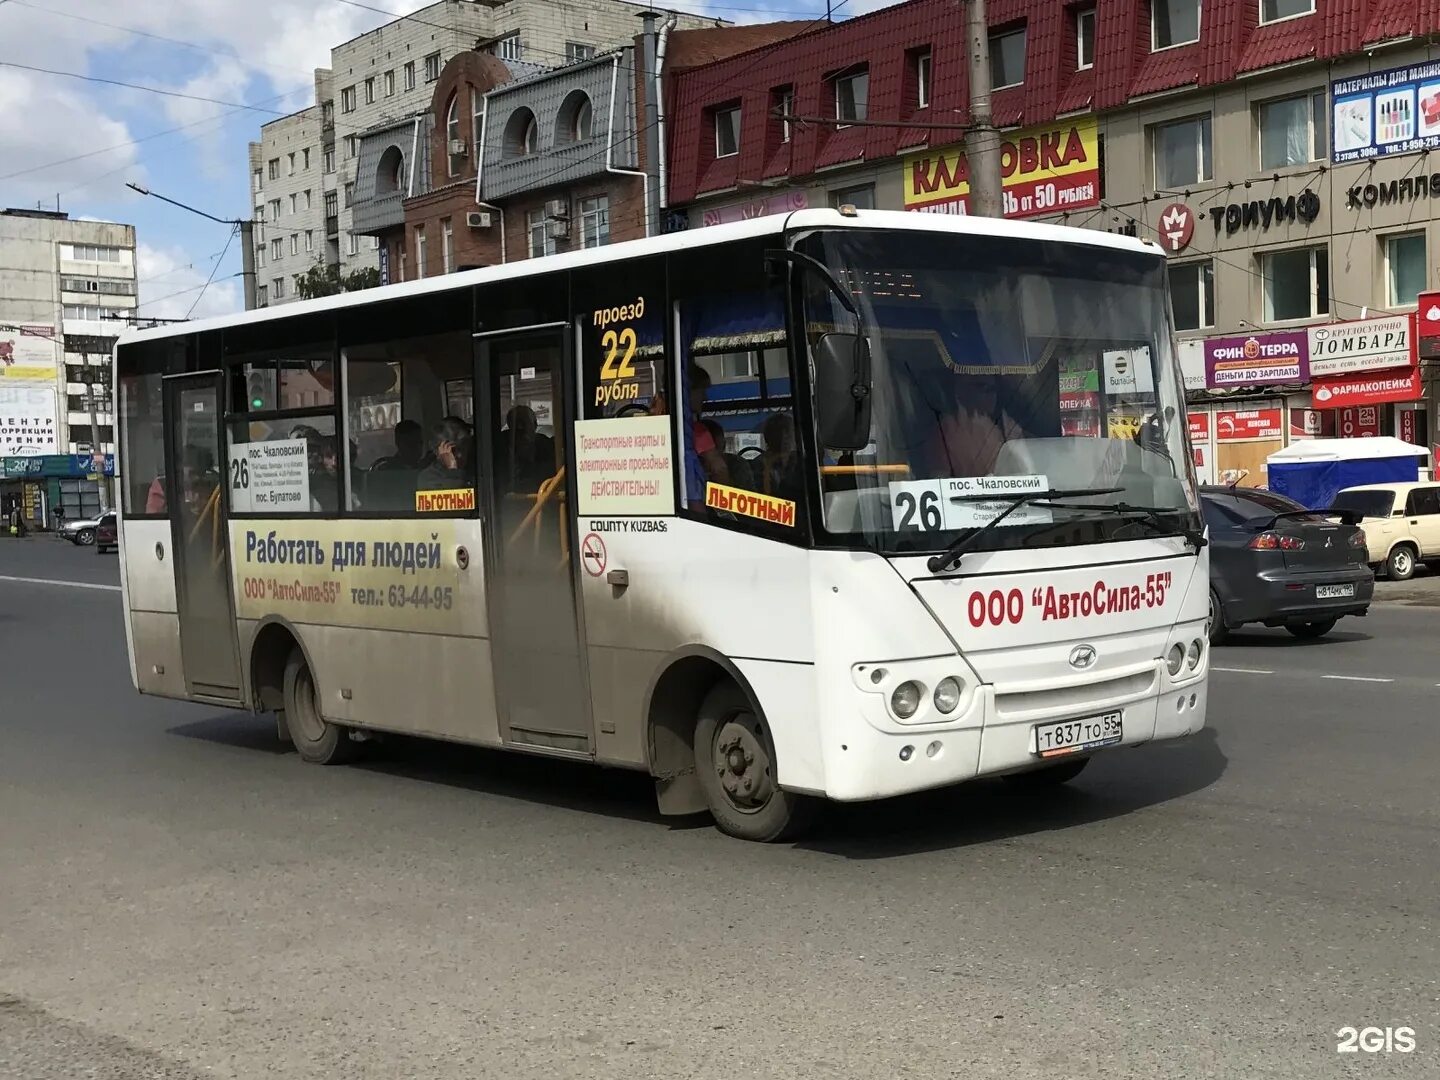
point(735, 760)
point(315, 738)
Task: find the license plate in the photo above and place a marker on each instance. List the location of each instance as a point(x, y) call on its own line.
point(1323, 592)
point(1076, 736)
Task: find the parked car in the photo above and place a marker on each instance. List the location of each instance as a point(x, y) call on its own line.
point(1401, 524)
point(81, 531)
point(1273, 561)
point(107, 534)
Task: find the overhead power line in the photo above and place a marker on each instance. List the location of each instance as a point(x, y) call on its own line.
point(137, 86)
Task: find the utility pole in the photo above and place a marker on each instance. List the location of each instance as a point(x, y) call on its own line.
point(247, 240)
point(982, 141)
point(650, 80)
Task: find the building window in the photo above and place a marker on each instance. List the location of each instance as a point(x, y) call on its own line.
point(922, 80)
point(1192, 294)
point(410, 75)
point(419, 252)
point(1085, 39)
point(477, 118)
point(576, 51)
point(432, 67)
point(1007, 59)
point(309, 239)
point(1182, 152)
point(784, 108)
point(350, 193)
point(294, 243)
point(305, 159)
point(454, 144)
point(1292, 130)
point(374, 243)
point(1275, 10)
point(262, 295)
point(370, 90)
point(257, 180)
point(352, 244)
point(327, 114)
point(260, 256)
point(332, 204)
point(84, 312)
point(447, 246)
point(294, 201)
point(277, 288)
point(1174, 22)
point(347, 99)
point(522, 134)
point(290, 166)
point(1296, 284)
point(307, 199)
point(277, 249)
point(390, 83)
point(260, 213)
point(862, 197)
point(1405, 269)
point(852, 94)
point(352, 146)
point(329, 161)
point(541, 242)
point(508, 47)
point(274, 209)
point(274, 168)
point(595, 221)
point(727, 132)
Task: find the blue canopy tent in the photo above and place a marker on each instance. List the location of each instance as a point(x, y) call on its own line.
point(1312, 471)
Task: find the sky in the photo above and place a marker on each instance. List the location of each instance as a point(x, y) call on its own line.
point(80, 140)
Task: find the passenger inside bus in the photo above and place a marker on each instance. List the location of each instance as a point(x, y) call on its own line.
point(452, 443)
point(780, 463)
point(736, 467)
point(967, 439)
point(527, 458)
point(410, 451)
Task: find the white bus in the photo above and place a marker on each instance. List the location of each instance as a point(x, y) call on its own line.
point(833, 505)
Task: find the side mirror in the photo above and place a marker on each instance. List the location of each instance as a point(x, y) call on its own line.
point(842, 391)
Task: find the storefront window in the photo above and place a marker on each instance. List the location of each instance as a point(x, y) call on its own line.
point(1405, 267)
point(1296, 284)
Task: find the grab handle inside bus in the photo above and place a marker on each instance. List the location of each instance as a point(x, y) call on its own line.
point(842, 391)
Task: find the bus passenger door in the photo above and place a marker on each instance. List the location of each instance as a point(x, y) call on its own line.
point(535, 634)
point(195, 466)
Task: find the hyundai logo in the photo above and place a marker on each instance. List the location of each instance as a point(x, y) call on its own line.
point(1082, 656)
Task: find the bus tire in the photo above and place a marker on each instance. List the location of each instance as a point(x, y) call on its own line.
point(1049, 775)
point(315, 739)
point(735, 760)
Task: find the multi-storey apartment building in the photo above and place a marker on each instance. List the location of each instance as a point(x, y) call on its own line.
point(67, 289)
point(384, 79)
point(1276, 149)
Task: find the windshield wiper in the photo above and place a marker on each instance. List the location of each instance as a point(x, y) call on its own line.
point(950, 557)
point(1150, 515)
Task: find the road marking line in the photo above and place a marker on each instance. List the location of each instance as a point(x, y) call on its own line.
point(1354, 678)
point(65, 584)
point(1243, 670)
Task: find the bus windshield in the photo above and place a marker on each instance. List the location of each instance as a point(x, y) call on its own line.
point(1003, 367)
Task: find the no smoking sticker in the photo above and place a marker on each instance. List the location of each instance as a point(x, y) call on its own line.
point(592, 554)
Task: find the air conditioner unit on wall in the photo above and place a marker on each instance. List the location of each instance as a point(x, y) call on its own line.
point(457, 147)
point(557, 208)
point(557, 230)
point(479, 219)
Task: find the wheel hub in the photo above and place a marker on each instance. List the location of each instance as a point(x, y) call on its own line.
point(743, 764)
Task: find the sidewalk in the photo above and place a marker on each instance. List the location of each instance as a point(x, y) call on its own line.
point(1423, 590)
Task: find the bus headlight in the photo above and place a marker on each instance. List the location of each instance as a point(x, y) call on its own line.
point(947, 694)
point(1175, 658)
point(1192, 655)
point(906, 699)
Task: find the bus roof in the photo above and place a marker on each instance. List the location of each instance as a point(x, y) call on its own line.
point(678, 241)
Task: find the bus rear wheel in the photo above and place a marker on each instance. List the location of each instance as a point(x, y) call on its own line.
point(315, 738)
point(735, 760)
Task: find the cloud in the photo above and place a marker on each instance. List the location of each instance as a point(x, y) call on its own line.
point(171, 282)
point(53, 138)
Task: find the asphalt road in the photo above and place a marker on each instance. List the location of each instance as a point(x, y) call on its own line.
point(178, 898)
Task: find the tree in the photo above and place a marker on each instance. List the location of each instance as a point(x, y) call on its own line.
point(325, 279)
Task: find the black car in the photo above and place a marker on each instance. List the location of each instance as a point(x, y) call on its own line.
point(1272, 561)
point(107, 535)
